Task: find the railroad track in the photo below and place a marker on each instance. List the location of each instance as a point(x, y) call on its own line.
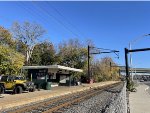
point(59, 104)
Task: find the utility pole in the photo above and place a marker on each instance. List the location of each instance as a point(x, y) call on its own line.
point(97, 51)
point(110, 66)
point(127, 66)
point(110, 69)
point(131, 43)
point(127, 69)
point(89, 62)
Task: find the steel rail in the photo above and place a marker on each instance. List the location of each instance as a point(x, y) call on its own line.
point(77, 100)
point(84, 94)
point(28, 108)
point(54, 109)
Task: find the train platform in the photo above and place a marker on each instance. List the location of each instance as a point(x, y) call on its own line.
point(140, 101)
point(9, 100)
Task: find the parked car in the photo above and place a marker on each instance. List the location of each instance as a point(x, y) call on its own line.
point(17, 84)
point(141, 80)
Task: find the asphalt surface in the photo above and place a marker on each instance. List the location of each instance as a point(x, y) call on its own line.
point(148, 83)
point(140, 100)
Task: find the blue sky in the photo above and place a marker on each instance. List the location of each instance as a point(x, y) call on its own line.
point(110, 25)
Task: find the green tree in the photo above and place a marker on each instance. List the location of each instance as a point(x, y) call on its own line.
point(36, 55)
point(27, 35)
point(10, 60)
point(44, 54)
point(72, 54)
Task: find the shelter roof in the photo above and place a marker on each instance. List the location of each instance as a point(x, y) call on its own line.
point(53, 67)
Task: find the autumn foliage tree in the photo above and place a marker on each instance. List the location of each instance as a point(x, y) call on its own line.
point(10, 60)
point(103, 71)
point(6, 37)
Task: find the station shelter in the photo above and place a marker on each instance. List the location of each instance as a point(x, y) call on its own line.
point(56, 74)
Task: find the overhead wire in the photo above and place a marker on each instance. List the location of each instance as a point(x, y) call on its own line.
point(51, 16)
point(103, 49)
point(34, 12)
point(64, 18)
point(41, 9)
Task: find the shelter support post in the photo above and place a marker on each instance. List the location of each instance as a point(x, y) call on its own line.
point(69, 80)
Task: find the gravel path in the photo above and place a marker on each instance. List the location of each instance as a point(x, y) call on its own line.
point(98, 103)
